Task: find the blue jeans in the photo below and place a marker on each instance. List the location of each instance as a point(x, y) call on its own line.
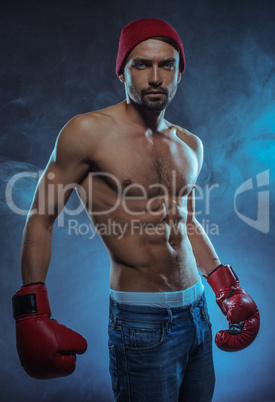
point(161, 354)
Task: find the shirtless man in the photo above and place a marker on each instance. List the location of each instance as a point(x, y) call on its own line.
point(133, 168)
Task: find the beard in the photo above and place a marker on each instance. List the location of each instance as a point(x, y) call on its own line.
point(156, 104)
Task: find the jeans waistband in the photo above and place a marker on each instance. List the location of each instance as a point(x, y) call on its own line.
point(155, 314)
point(160, 299)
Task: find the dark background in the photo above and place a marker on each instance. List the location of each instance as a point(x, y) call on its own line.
point(58, 60)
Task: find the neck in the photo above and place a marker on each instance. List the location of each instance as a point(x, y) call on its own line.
point(145, 118)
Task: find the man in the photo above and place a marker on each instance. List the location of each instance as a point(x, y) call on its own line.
point(135, 172)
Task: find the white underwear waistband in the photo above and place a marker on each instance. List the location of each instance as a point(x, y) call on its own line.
point(160, 299)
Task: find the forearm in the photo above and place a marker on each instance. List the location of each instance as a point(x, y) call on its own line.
point(36, 251)
point(204, 252)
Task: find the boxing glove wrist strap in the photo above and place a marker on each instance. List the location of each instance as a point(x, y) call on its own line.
point(24, 304)
point(222, 277)
point(34, 283)
point(31, 299)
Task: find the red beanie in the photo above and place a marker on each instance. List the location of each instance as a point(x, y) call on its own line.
point(140, 30)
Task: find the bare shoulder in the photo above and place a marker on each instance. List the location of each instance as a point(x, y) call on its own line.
point(193, 141)
point(84, 127)
point(82, 135)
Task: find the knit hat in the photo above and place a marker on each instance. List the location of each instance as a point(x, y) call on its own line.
point(140, 30)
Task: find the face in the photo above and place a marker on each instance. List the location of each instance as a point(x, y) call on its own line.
point(151, 75)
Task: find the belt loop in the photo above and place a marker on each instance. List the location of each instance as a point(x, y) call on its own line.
point(113, 305)
point(111, 309)
point(203, 309)
point(114, 314)
point(169, 323)
point(190, 312)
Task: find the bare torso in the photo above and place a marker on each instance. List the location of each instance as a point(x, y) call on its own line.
point(136, 196)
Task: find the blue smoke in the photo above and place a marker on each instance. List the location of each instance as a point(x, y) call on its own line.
point(58, 60)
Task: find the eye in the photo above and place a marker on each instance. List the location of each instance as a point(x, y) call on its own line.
point(169, 66)
point(139, 65)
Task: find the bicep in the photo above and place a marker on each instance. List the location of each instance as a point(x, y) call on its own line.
point(199, 153)
point(67, 167)
point(191, 207)
point(191, 198)
point(53, 191)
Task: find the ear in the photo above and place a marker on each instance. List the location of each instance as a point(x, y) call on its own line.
point(122, 78)
point(179, 77)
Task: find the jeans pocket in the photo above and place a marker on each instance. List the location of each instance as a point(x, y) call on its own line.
point(113, 368)
point(144, 339)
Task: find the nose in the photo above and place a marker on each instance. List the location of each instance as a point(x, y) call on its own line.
point(155, 79)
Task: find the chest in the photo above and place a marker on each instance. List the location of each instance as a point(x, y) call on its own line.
point(150, 165)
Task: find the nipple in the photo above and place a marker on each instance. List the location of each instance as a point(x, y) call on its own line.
point(127, 182)
point(154, 205)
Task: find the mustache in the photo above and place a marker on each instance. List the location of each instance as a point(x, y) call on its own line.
point(159, 89)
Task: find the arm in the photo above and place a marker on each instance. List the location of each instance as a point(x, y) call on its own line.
point(68, 165)
point(47, 349)
point(204, 252)
point(239, 308)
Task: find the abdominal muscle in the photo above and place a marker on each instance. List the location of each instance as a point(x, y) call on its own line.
point(149, 254)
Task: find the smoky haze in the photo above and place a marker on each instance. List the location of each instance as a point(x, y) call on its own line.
point(58, 60)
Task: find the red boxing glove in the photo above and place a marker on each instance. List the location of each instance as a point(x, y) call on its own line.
point(46, 348)
point(239, 308)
